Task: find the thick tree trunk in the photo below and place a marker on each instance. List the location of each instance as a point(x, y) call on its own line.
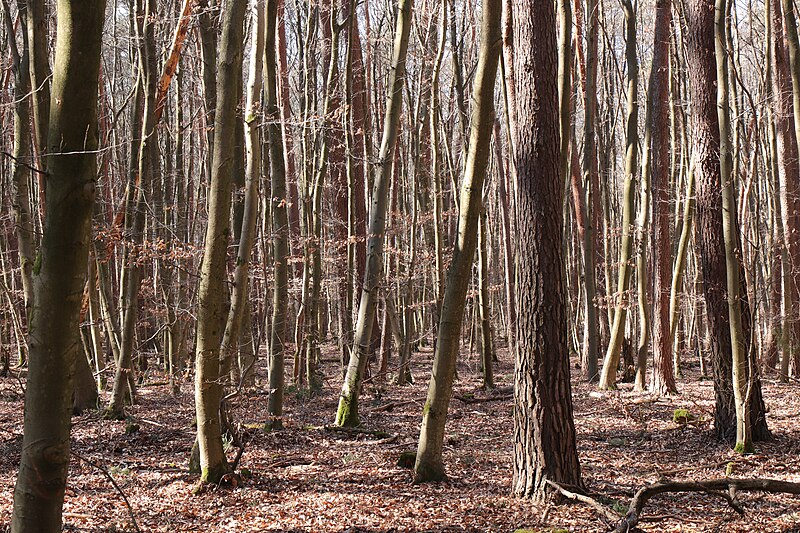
point(60, 278)
point(544, 431)
point(708, 230)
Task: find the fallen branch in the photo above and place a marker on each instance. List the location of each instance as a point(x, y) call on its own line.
point(357, 431)
point(611, 515)
point(468, 400)
point(711, 486)
point(391, 405)
point(116, 486)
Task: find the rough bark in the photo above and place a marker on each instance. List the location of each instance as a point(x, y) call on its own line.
point(708, 229)
point(663, 379)
point(544, 430)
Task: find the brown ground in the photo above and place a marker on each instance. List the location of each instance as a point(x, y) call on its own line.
point(306, 478)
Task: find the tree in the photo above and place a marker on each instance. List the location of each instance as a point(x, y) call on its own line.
point(280, 223)
point(611, 361)
point(347, 412)
point(663, 378)
point(709, 230)
point(544, 431)
point(61, 271)
point(741, 371)
point(429, 464)
point(211, 297)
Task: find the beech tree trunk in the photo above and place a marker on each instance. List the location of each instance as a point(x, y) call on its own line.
point(59, 280)
point(280, 224)
point(611, 360)
point(429, 464)
point(211, 311)
point(347, 412)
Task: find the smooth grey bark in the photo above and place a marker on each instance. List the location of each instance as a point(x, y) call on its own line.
point(347, 412)
point(59, 281)
point(611, 359)
point(211, 308)
point(280, 224)
point(429, 465)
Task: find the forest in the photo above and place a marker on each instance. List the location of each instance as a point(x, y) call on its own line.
point(399, 265)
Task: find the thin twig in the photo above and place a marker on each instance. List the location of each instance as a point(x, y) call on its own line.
point(24, 164)
point(116, 486)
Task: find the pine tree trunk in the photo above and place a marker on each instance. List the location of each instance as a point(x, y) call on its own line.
point(544, 431)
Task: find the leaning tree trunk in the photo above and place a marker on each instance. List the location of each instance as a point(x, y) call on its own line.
point(252, 121)
point(544, 430)
point(134, 211)
point(60, 276)
point(429, 464)
point(611, 360)
point(347, 412)
point(211, 312)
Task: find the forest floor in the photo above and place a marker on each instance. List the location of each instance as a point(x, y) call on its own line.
point(309, 478)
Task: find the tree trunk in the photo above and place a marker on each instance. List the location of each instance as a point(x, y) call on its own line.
point(631, 166)
point(60, 278)
point(347, 412)
point(429, 464)
point(211, 312)
point(741, 372)
point(280, 224)
point(663, 379)
point(544, 430)
point(708, 230)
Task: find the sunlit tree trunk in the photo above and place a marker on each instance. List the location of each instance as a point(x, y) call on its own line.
point(429, 465)
point(59, 280)
point(347, 412)
point(280, 223)
point(544, 430)
point(211, 312)
point(611, 361)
